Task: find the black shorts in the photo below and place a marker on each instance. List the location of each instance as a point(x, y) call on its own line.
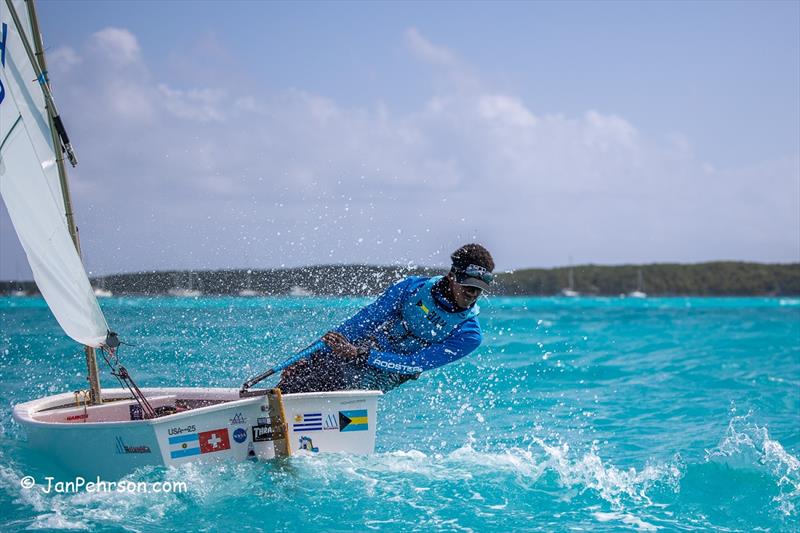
point(321, 372)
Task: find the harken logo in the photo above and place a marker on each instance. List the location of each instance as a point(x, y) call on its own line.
point(238, 420)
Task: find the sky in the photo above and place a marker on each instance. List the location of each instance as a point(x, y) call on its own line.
point(265, 134)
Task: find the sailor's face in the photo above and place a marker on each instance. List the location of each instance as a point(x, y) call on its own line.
point(463, 295)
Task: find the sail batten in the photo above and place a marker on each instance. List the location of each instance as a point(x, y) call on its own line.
point(31, 186)
point(10, 131)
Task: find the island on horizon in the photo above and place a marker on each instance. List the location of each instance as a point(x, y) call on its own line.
point(720, 278)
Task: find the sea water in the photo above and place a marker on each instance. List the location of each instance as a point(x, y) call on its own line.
point(576, 414)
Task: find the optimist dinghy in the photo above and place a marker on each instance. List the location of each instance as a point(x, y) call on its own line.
point(115, 437)
point(110, 432)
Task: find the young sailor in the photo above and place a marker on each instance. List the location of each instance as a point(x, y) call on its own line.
point(415, 325)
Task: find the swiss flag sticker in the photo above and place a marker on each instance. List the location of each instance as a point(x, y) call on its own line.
point(215, 440)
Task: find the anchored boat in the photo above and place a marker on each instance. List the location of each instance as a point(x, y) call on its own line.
point(113, 431)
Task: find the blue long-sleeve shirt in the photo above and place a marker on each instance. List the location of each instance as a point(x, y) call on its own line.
point(365, 326)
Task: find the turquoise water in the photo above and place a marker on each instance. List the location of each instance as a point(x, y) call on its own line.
point(576, 414)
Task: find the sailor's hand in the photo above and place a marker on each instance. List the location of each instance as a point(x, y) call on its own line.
point(340, 345)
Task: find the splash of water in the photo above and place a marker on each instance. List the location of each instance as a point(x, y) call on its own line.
point(748, 446)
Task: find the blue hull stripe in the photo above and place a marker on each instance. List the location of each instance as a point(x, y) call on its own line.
point(356, 413)
point(355, 427)
point(184, 453)
point(183, 438)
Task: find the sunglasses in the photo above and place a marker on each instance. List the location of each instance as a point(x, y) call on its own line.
point(474, 271)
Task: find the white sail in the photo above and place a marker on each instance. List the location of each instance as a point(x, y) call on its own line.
point(29, 185)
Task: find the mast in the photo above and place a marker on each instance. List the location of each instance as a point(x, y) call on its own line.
point(51, 112)
point(61, 145)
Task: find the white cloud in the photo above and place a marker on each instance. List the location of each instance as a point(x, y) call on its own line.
point(451, 73)
point(428, 51)
point(249, 104)
point(119, 45)
point(506, 109)
point(602, 131)
point(63, 59)
point(128, 100)
point(293, 175)
point(203, 105)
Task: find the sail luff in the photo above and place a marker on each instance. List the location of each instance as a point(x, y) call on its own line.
point(51, 112)
point(29, 178)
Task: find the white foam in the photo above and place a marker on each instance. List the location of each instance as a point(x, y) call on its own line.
point(578, 472)
point(87, 509)
point(588, 471)
point(56, 521)
point(746, 445)
point(626, 518)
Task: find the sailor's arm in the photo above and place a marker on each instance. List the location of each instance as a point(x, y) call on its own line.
point(462, 342)
point(370, 317)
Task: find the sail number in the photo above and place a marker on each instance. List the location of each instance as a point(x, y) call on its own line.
point(3, 58)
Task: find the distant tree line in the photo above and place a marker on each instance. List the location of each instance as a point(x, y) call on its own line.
point(722, 278)
point(702, 279)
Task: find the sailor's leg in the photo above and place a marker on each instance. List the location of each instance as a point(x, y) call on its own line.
point(321, 372)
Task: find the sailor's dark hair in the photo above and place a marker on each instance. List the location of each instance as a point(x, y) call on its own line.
point(472, 254)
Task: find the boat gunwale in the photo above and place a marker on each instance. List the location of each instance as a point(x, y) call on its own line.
point(24, 413)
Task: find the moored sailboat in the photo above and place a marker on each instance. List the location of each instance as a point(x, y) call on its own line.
point(100, 289)
point(248, 291)
point(181, 291)
point(109, 432)
point(570, 291)
point(639, 292)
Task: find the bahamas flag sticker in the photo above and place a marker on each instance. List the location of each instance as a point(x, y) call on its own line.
point(355, 420)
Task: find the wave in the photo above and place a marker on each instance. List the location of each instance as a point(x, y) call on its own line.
point(747, 480)
point(513, 484)
point(748, 446)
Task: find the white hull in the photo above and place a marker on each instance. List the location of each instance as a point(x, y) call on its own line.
point(248, 293)
point(185, 293)
point(216, 425)
point(300, 291)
